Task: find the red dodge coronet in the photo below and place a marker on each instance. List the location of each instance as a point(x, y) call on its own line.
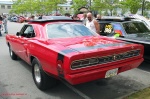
point(62, 48)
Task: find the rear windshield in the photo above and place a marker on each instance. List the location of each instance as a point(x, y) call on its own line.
point(135, 27)
point(67, 30)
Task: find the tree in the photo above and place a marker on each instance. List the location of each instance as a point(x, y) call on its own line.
point(98, 5)
point(132, 5)
point(147, 5)
point(104, 5)
point(35, 6)
point(78, 4)
point(146, 8)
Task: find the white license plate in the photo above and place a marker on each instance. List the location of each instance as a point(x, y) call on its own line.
point(111, 73)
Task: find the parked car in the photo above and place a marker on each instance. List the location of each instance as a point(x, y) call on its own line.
point(127, 29)
point(61, 48)
point(14, 19)
point(142, 18)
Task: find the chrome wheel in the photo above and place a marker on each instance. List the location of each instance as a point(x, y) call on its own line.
point(11, 53)
point(37, 73)
point(41, 79)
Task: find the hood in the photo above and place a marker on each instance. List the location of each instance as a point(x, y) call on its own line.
point(88, 44)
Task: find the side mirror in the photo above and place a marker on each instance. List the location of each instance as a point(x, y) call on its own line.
point(18, 33)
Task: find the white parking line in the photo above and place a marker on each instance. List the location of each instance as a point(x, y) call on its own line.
point(76, 90)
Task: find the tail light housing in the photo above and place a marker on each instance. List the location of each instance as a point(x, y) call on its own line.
point(60, 68)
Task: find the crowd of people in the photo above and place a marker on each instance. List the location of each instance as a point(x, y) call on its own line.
point(3, 24)
point(87, 18)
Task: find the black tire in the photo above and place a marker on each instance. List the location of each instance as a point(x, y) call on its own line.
point(44, 82)
point(12, 54)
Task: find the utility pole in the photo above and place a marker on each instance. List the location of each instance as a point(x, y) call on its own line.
point(143, 6)
point(90, 4)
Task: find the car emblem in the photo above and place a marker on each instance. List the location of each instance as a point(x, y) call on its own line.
point(114, 57)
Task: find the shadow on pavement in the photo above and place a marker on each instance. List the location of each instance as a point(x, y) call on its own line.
point(145, 66)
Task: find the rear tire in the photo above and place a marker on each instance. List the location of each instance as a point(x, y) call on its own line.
point(12, 54)
point(41, 79)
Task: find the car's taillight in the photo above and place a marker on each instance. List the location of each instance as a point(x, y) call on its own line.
point(60, 68)
point(85, 62)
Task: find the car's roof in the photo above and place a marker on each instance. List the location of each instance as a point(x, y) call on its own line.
point(54, 19)
point(117, 19)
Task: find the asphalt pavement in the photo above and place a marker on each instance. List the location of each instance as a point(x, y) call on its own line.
point(16, 80)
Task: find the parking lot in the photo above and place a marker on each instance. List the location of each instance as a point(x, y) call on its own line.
point(16, 80)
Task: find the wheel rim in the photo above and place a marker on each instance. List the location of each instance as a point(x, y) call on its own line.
point(37, 73)
point(11, 53)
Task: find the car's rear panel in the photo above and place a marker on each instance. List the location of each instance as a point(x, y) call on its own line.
point(92, 65)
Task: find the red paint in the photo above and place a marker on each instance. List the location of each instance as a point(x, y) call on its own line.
point(46, 51)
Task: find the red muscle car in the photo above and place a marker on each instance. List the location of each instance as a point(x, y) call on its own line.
point(62, 48)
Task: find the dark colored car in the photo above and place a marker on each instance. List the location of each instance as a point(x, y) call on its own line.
point(131, 30)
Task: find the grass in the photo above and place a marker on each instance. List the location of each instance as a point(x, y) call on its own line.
point(142, 94)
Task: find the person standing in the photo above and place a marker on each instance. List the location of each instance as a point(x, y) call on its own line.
point(84, 19)
point(75, 17)
point(92, 24)
point(1, 22)
point(98, 17)
point(40, 16)
point(5, 24)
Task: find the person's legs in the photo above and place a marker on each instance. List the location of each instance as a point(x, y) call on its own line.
point(0, 31)
point(5, 27)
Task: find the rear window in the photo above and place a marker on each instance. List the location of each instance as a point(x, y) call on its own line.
point(135, 27)
point(67, 30)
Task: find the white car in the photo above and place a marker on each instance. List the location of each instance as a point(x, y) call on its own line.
point(14, 19)
point(145, 20)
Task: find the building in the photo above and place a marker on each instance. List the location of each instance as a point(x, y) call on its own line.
point(66, 8)
point(5, 7)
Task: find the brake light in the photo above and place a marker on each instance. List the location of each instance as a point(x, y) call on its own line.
point(60, 68)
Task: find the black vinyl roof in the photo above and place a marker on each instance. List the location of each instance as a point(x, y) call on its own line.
point(54, 18)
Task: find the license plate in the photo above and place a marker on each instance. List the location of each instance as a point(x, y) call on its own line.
point(111, 73)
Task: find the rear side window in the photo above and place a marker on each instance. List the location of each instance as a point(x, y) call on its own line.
point(135, 27)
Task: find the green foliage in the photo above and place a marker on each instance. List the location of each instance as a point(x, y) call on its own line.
point(35, 6)
point(47, 6)
point(78, 4)
point(132, 5)
point(147, 5)
point(105, 5)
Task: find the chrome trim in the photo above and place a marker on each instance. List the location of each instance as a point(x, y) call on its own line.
point(107, 59)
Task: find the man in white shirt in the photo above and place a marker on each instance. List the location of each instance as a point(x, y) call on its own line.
point(92, 24)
